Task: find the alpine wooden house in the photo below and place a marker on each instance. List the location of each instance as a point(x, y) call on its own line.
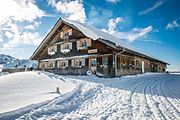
point(76, 48)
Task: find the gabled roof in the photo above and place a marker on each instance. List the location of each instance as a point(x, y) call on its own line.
point(94, 34)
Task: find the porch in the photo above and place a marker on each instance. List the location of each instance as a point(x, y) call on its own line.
point(105, 65)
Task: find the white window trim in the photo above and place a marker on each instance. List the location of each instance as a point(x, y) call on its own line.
point(52, 50)
point(79, 66)
point(66, 50)
point(50, 67)
point(62, 67)
point(82, 40)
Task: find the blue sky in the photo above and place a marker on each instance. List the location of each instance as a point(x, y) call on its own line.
point(151, 26)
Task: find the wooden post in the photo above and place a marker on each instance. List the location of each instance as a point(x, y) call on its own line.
point(115, 64)
point(57, 90)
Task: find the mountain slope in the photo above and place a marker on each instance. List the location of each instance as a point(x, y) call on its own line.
point(11, 62)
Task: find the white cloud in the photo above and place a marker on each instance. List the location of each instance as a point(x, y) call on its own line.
point(70, 9)
point(172, 25)
point(98, 16)
point(134, 34)
point(112, 24)
point(156, 5)
point(113, 1)
point(32, 26)
point(137, 33)
point(8, 34)
point(19, 10)
point(13, 15)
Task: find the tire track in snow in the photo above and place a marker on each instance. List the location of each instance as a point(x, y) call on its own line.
point(162, 105)
point(152, 101)
point(106, 108)
point(133, 89)
point(171, 90)
point(147, 109)
point(142, 85)
point(174, 110)
point(160, 99)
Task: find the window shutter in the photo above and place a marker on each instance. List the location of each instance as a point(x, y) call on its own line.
point(62, 35)
point(62, 46)
point(58, 64)
point(48, 50)
point(45, 63)
point(72, 62)
point(89, 42)
point(53, 64)
point(70, 31)
point(78, 44)
point(66, 63)
point(83, 62)
point(70, 46)
point(55, 48)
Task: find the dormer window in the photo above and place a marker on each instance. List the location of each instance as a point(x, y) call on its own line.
point(83, 43)
point(52, 50)
point(66, 47)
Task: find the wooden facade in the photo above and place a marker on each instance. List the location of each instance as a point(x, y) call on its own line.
point(66, 50)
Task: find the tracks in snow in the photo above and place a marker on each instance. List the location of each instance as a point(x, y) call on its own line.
point(151, 97)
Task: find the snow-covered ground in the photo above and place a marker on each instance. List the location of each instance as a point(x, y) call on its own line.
point(19, 90)
point(148, 96)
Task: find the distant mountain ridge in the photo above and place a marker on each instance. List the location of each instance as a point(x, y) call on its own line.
point(10, 62)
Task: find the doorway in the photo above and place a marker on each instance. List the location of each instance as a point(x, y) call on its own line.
point(93, 65)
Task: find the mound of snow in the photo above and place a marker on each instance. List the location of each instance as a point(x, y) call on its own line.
point(21, 89)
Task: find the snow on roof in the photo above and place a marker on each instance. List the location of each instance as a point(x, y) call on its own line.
point(96, 34)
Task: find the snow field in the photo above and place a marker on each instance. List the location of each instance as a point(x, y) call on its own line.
point(142, 97)
point(21, 89)
point(150, 96)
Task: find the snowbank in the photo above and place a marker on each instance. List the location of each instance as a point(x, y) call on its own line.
point(18, 90)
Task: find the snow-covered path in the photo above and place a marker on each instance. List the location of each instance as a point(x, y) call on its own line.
point(142, 97)
point(148, 96)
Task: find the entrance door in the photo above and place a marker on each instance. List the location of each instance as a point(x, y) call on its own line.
point(93, 64)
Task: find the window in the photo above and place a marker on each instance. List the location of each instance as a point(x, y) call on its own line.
point(105, 60)
point(138, 64)
point(52, 50)
point(78, 62)
point(42, 65)
point(93, 62)
point(50, 65)
point(62, 64)
point(83, 43)
point(66, 47)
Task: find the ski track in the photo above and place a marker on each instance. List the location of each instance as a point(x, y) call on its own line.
point(152, 97)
